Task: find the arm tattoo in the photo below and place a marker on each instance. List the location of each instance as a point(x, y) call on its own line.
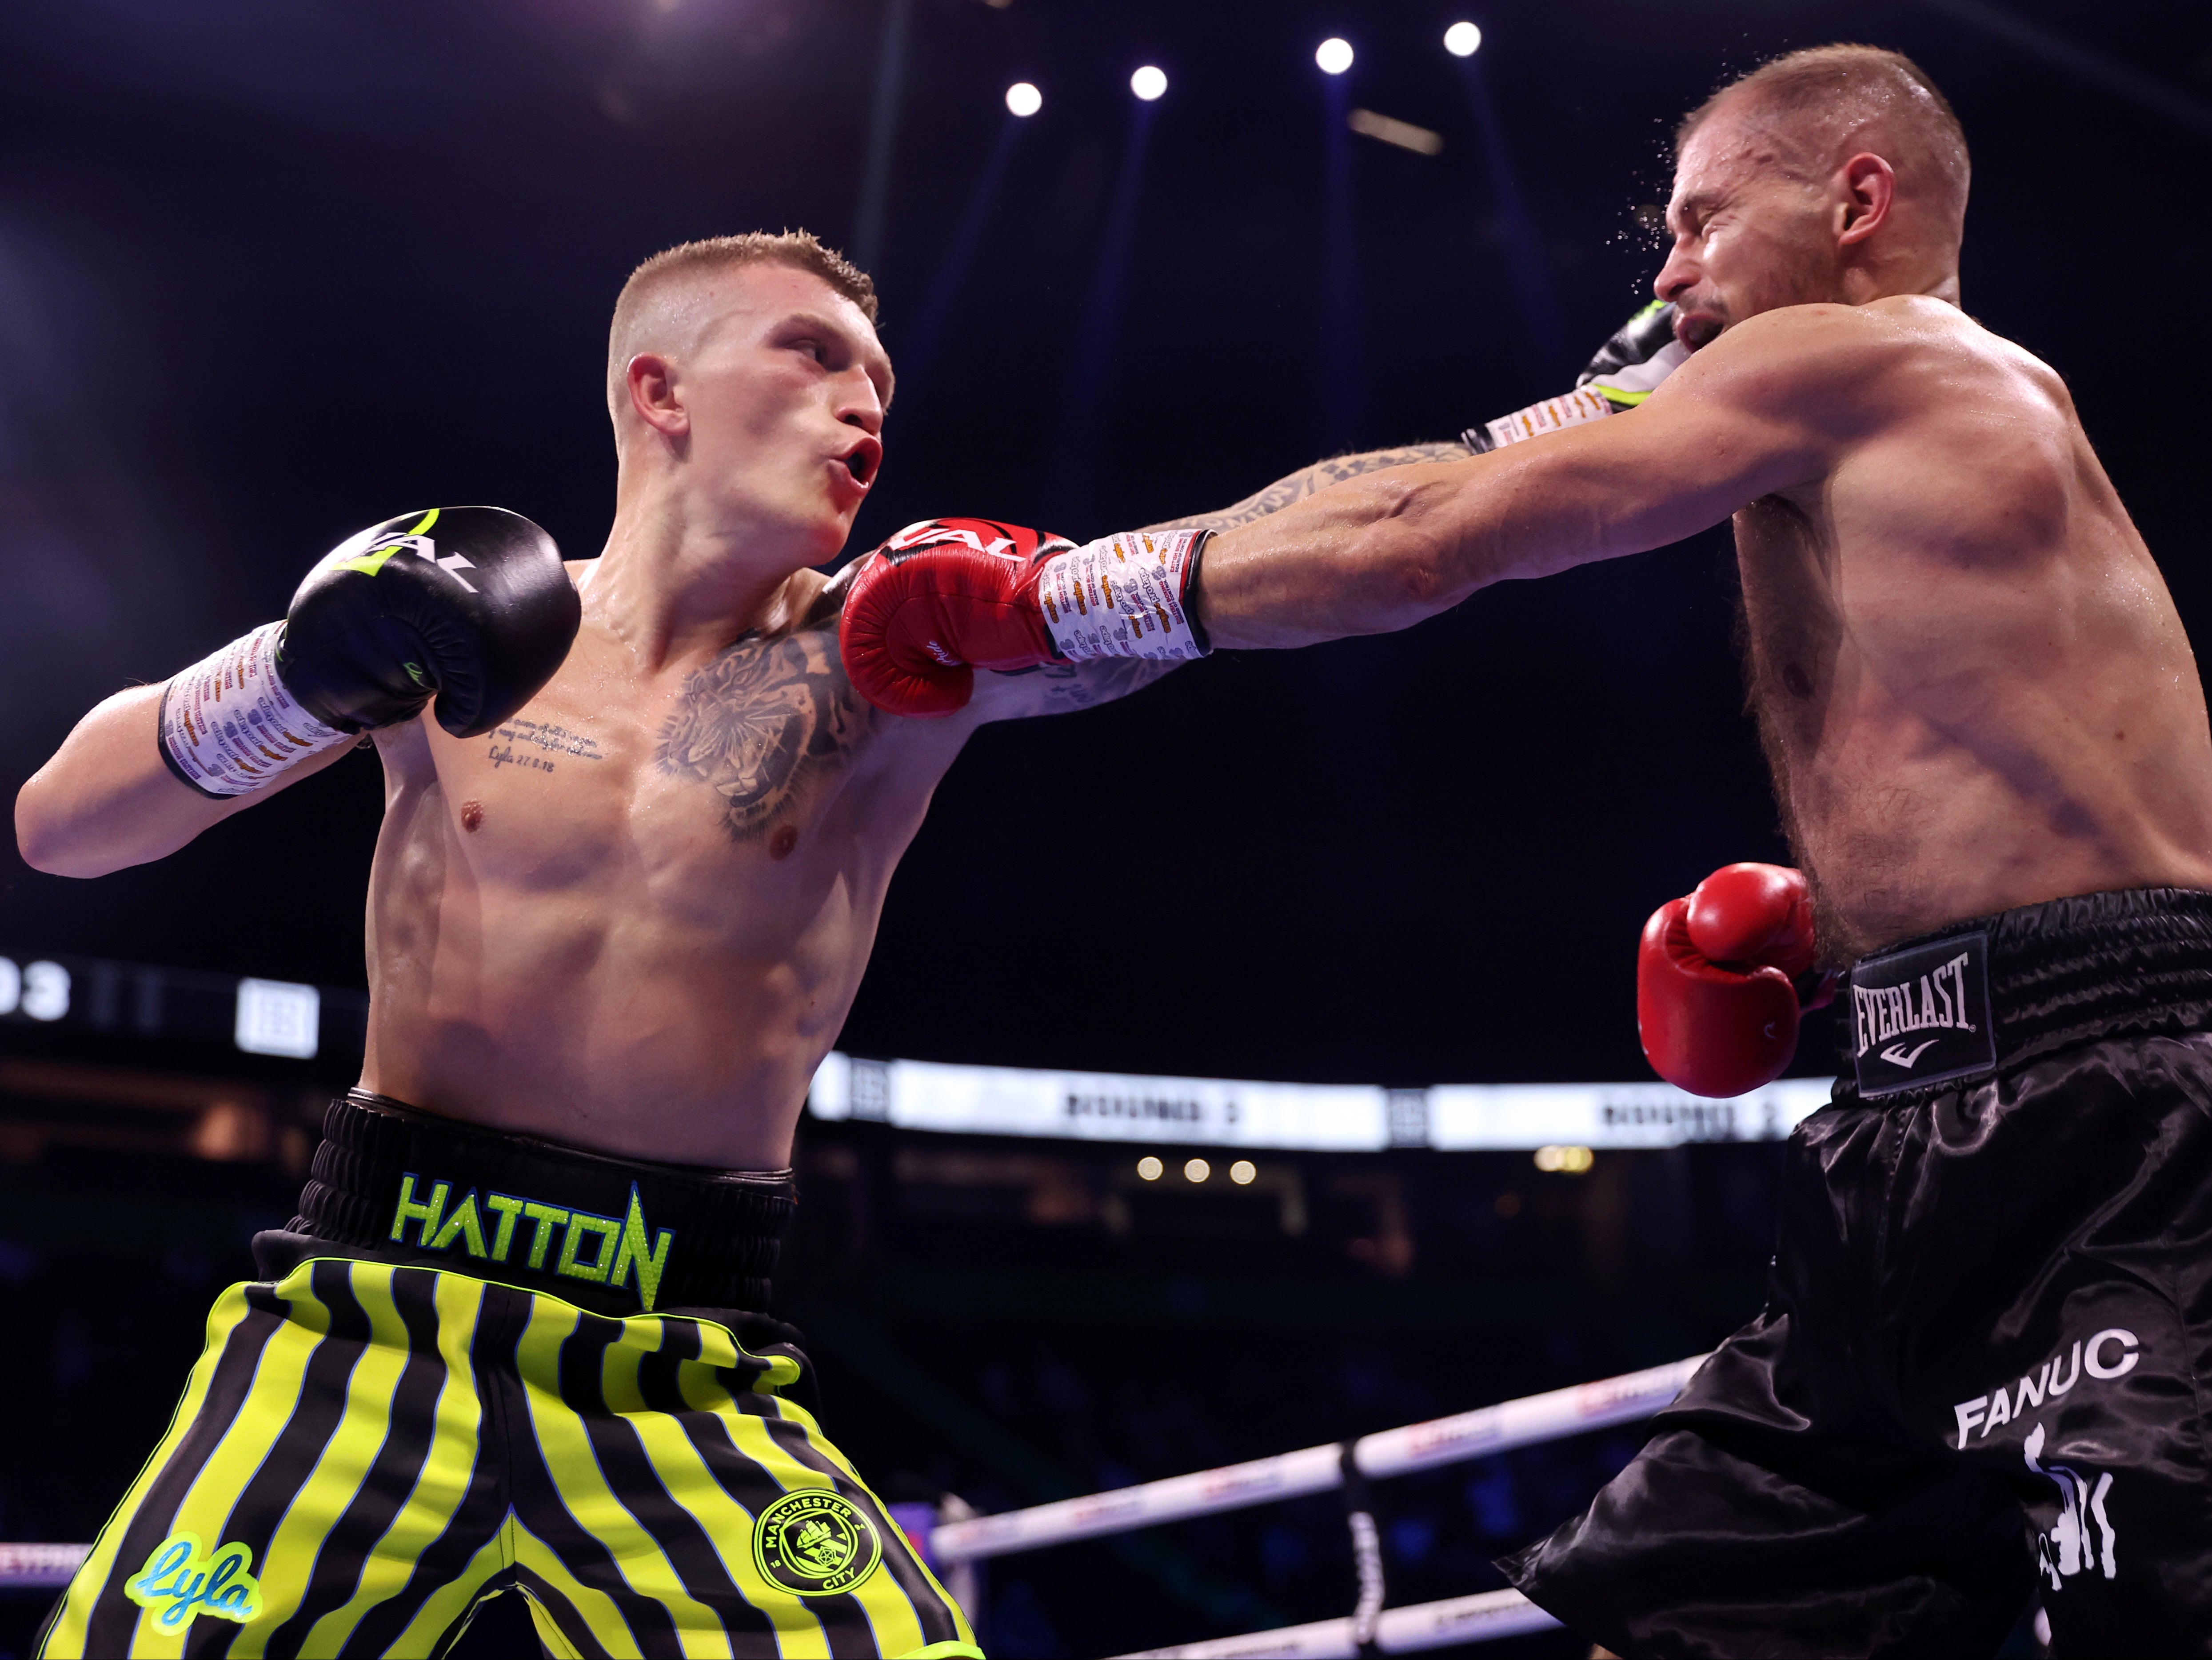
point(760, 721)
point(1307, 480)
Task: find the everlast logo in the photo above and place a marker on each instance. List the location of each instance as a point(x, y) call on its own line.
point(1922, 1015)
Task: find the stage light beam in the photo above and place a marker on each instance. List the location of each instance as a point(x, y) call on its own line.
point(1024, 100)
point(1461, 39)
point(1333, 55)
point(1149, 82)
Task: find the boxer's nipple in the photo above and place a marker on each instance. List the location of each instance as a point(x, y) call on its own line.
point(471, 816)
point(783, 841)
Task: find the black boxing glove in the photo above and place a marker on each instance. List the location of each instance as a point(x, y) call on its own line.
point(471, 606)
point(1627, 369)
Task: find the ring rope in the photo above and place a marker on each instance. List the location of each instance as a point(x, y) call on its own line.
point(1510, 1424)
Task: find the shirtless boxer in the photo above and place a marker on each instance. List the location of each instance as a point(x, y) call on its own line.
point(1981, 1362)
point(511, 1339)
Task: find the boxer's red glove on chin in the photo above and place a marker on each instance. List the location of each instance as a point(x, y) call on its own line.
point(947, 597)
point(1721, 976)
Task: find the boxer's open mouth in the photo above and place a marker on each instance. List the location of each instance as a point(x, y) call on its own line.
point(862, 461)
point(1698, 332)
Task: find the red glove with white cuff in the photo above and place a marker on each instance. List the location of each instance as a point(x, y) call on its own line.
point(1721, 976)
point(947, 597)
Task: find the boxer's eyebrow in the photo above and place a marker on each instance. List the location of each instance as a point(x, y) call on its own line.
point(1691, 209)
point(872, 357)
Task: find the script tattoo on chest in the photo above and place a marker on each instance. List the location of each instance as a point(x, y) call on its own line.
point(761, 719)
point(537, 746)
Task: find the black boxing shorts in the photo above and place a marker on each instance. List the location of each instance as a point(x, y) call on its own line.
point(1982, 1364)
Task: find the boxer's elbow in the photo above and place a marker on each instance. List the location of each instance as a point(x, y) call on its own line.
point(56, 839)
point(43, 836)
point(44, 840)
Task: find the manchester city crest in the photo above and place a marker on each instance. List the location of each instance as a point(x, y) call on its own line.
point(815, 1542)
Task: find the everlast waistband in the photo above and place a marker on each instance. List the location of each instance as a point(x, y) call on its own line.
point(618, 1235)
point(1986, 995)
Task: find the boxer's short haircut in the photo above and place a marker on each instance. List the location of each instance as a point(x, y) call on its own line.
point(1840, 90)
point(801, 250)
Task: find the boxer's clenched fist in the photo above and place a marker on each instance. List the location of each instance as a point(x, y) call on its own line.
point(939, 600)
point(1721, 976)
point(469, 605)
point(947, 597)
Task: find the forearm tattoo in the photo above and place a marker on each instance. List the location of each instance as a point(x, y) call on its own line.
point(760, 721)
point(1307, 480)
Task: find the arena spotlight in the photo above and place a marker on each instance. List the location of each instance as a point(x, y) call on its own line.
point(1461, 40)
point(1149, 82)
point(1024, 100)
point(1333, 55)
point(1197, 1171)
point(1244, 1172)
point(1149, 1169)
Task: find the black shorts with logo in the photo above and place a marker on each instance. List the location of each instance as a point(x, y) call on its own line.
point(1987, 1334)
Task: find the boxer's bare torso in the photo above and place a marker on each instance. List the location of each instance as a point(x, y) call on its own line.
point(634, 918)
point(1973, 687)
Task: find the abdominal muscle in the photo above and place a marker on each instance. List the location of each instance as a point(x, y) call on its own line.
point(665, 1002)
point(613, 1037)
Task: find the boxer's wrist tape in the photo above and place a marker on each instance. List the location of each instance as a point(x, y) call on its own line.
point(1124, 596)
point(1568, 410)
point(228, 727)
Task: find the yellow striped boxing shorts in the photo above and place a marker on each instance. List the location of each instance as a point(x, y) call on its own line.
point(480, 1363)
point(365, 1452)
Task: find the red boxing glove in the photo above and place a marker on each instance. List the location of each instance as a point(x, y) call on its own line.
point(939, 600)
point(1717, 979)
point(947, 597)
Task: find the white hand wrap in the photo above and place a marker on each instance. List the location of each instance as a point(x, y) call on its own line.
point(1570, 409)
point(229, 726)
point(1122, 596)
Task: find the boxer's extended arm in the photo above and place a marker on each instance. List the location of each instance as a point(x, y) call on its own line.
point(1764, 408)
point(1296, 486)
point(1625, 372)
point(106, 799)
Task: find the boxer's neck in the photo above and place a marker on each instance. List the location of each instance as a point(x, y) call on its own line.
point(675, 583)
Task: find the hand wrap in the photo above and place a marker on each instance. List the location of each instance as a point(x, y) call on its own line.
point(229, 726)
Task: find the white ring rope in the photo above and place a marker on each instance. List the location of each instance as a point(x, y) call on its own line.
point(40, 1567)
point(1482, 1617)
point(1317, 1469)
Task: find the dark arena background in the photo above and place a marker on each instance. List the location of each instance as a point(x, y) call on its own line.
point(271, 270)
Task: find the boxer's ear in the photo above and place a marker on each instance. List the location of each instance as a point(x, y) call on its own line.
point(654, 395)
point(1869, 186)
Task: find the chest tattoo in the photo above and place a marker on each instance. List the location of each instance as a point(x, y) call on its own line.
point(535, 746)
point(758, 721)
